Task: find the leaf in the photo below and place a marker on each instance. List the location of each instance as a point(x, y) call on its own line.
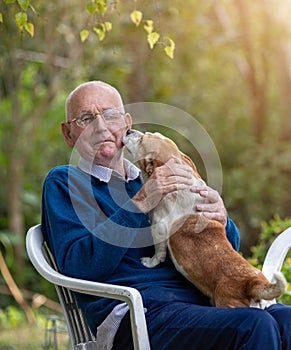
point(169, 49)
point(84, 35)
point(108, 26)
point(9, 1)
point(29, 27)
point(21, 19)
point(100, 32)
point(1, 17)
point(153, 38)
point(149, 26)
point(101, 7)
point(24, 4)
point(91, 7)
point(172, 43)
point(136, 17)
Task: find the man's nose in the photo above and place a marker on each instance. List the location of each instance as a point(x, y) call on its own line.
point(99, 124)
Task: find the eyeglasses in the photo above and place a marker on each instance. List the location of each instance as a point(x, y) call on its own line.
point(108, 116)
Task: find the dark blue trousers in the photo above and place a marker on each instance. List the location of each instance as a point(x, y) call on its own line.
point(185, 326)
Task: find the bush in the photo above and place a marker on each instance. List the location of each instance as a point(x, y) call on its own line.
point(269, 232)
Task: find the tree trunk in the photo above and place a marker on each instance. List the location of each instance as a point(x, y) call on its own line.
point(284, 78)
point(15, 291)
point(15, 216)
point(256, 75)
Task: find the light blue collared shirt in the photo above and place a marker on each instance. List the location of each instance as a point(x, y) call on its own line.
point(104, 174)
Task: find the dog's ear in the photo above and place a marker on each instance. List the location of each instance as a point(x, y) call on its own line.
point(189, 161)
point(149, 169)
point(150, 165)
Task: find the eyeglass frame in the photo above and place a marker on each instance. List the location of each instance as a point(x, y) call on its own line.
point(78, 119)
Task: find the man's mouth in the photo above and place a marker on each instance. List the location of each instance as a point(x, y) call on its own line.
point(102, 142)
point(108, 141)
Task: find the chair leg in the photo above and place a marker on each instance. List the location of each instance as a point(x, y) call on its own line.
point(52, 328)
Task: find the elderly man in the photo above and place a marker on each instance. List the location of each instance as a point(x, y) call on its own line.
point(95, 220)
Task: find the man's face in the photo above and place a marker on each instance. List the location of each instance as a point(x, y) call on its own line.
point(101, 141)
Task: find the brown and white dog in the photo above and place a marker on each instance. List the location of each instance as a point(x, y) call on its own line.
point(198, 246)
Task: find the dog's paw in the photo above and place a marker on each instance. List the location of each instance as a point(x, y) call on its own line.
point(150, 262)
point(264, 304)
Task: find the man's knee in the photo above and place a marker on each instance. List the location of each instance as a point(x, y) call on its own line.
point(261, 328)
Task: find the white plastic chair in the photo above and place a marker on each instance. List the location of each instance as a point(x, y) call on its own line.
point(79, 332)
point(80, 335)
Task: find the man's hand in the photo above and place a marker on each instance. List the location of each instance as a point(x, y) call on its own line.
point(165, 179)
point(215, 208)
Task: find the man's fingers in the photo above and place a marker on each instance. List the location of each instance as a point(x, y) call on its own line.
point(209, 207)
point(178, 169)
point(215, 216)
point(214, 208)
point(207, 192)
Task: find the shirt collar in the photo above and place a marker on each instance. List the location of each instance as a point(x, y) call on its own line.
point(104, 174)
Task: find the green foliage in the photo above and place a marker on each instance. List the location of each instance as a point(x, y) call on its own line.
point(97, 10)
point(270, 230)
point(286, 269)
point(7, 242)
point(136, 17)
point(26, 277)
point(255, 185)
point(11, 317)
point(152, 35)
point(15, 333)
point(21, 17)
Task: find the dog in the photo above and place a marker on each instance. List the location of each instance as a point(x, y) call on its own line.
point(197, 246)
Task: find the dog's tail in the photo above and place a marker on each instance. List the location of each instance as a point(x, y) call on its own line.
point(267, 290)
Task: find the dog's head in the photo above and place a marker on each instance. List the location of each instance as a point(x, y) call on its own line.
point(151, 150)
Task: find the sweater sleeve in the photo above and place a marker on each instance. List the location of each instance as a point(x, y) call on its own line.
point(79, 252)
point(232, 234)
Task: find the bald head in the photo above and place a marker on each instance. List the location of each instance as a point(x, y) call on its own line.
point(89, 93)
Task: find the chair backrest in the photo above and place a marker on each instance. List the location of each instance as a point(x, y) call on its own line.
point(41, 257)
point(80, 332)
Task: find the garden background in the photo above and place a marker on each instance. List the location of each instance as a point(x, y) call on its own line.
point(230, 70)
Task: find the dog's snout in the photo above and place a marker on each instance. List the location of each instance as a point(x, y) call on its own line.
point(134, 133)
point(129, 131)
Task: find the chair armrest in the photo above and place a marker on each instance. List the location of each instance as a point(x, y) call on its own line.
point(277, 254)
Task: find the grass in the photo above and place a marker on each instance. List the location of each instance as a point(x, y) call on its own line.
point(27, 337)
point(16, 333)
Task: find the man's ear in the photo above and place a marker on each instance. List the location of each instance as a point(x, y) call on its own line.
point(66, 130)
point(128, 121)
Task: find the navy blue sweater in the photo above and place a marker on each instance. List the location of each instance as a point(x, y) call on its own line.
point(95, 232)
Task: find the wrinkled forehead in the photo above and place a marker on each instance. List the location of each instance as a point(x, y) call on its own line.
point(90, 96)
point(98, 95)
